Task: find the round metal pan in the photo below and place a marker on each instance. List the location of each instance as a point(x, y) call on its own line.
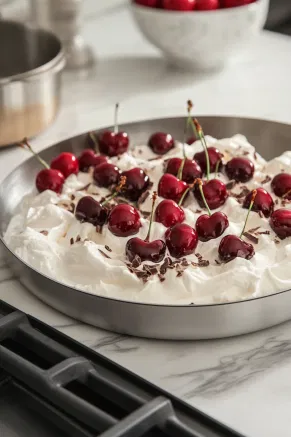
point(146, 320)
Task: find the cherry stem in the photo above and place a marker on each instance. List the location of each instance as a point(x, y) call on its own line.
point(199, 181)
point(186, 192)
point(181, 168)
point(25, 145)
point(118, 189)
point(217, 167)
point(200, 134)
point(249, 211)
point(154, 197)
point(116, 118)
point(93, 139)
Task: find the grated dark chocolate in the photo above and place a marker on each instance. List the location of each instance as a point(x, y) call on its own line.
point(251, 237)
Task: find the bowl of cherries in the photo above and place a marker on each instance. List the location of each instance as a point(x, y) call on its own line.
point(200, 34)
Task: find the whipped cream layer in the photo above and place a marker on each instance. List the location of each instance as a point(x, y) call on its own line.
point(45, 234)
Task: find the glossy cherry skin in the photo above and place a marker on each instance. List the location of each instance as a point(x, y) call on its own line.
point(148, 3)
point(113, 144)
point(90, 211)
point(240, 169)
point(211, 227)
point(161, 143)
point(235, 3)
point(153, 251)
point(66, 163)
point(263, 202)
point(281, 185)
point(206, 5)
point(215, 193)
point(106, 174)
point(280, 222)
point(179, 5)
point(171, 188)
point(232, 247)
point(89, 158)
point(181, 240)
point(191, 170)
point(169, 213)
point(50, 179)
point(214, 157)
point(137, 181)
point(124, 220)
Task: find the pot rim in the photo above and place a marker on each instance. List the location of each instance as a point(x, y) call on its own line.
point(53, 66)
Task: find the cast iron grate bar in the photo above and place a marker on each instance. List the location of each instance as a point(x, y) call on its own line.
point(93, 394)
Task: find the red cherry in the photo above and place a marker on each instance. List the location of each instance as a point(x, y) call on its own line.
point(137, 181)
point(161, 143)
point(191, 169)
point(211, 227)
point(106, 174)
point(88, 158)
point(215, 194)
point(206, 5)
point(50, 179)
point(169, 213)
point(281, 185)
point(232, 247)
point(148, 3)
point(280, 222)
point(147, 251)
point(171, 187)
point(240, 169)
point(181, 240)
point(124, 220)
point(263, 202)
point(235, 3)
point(66, 163)
point(179, 5)
point(214, 158)
point(90, 211)
point(113, 144)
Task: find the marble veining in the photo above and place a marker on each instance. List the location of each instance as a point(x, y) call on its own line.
point(234, 370)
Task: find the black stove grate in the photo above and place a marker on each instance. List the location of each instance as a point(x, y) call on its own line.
point(66, 389)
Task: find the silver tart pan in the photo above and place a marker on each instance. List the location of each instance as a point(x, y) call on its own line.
point(146, 320)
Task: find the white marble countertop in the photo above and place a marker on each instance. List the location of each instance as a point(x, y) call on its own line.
point(244, 382)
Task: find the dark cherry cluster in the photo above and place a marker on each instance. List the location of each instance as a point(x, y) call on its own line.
point(193, 5)
point(183, 177)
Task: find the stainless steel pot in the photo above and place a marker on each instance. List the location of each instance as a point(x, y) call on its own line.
point(31, 62)
point(146, 320)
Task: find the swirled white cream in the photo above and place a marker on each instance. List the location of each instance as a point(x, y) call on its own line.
point(42, 232)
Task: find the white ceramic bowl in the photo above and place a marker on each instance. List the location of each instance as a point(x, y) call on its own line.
point(201, 39)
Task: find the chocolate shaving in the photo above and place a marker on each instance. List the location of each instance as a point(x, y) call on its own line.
point(108, 248)
point(85, 188)
point(277, 201)
point(230, 185)
point(218, 262)
point(277, 241)
point(136, 262)
point(255, 156)
point(78, 239)
point(161, 278)
point(145, 214)
point(263, 233)
point(251, 237)
point(244, 192)
point(72, 241)
point(253, 230)
point(179, 274)
point(198, 211)
point(44, 233)
point(261, 214)
point(104, 254)
point(73, 197)
point(151, 270)
point(266, 180)
point(245, 153)
point(143, 198)
point(72, 208)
